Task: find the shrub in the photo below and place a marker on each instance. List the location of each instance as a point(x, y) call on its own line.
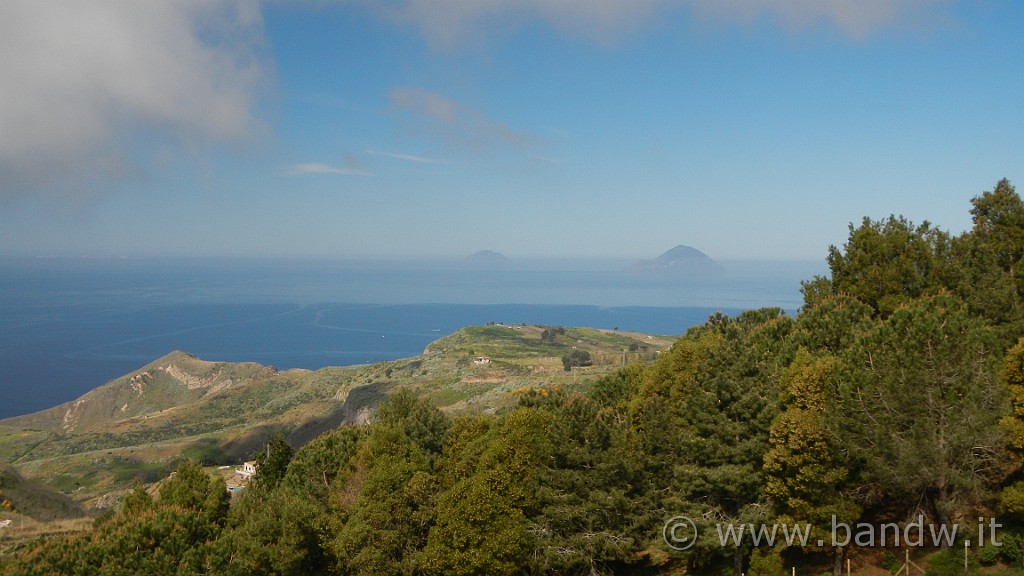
point(945, 563)
point(989, 555)
point(890, 562)
point(766, 563)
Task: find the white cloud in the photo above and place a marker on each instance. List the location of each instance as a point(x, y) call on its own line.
point(408, 157)
point(449, 23)
point(80, 82)
point(456, 123)
point(853, 18)
point(318, 168)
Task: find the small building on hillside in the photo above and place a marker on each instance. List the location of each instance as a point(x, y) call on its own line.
point(247, 470)
point(482, 360)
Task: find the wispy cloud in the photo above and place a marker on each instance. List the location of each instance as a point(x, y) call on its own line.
point(545, 160)
point(318, 168)
point(79, 81)
point(456, 123)
point(408, 157)
point(853, 18)
point(451, 23)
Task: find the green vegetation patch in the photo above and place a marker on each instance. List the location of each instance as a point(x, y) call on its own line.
point(16, 442)
point(504, 342)
point(35, 500)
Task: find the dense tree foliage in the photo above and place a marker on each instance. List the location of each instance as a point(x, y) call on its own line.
point(575, 358)
point(272, 463)
point(918, 404)
point(177, 534)
point(897, 391)
point(804, 467)
point(889, 262)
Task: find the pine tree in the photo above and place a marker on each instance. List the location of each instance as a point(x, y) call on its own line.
point(805, 475)
point(917, 401)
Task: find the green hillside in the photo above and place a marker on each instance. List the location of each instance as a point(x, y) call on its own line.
point(29, 509)
point(33, 499)
point(142, 425)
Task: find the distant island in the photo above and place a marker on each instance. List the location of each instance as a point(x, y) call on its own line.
point(679, 260)
point(488, 258)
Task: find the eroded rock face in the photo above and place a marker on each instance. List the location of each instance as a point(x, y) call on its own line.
point(174, 380)
point(72, 416)
point(190, 380)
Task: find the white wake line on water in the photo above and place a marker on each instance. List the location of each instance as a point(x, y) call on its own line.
point(56, 318)
point(87, 351)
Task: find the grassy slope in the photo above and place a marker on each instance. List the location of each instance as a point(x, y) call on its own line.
point(35, 500)
point(139, 426)
point(38, 510)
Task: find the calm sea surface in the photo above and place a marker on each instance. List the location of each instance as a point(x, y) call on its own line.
point(67, 326)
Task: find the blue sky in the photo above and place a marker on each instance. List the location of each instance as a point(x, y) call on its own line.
point(750, 129)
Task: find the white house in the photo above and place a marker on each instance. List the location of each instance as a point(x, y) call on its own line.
point(247, 469)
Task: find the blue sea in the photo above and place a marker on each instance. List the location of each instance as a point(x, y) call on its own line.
point(69, 325)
